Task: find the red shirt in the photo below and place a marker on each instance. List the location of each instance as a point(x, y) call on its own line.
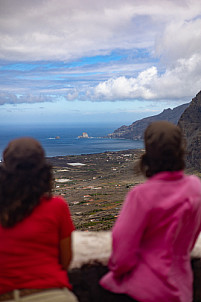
point(29, 251)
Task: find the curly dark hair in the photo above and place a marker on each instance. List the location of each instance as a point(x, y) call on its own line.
point(164, 149)
point(25, 177)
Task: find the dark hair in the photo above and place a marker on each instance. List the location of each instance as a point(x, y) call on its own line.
point(25, 177)
point(164, 149)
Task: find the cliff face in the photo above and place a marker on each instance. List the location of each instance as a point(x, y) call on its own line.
point(136, 129)
point(190, 122)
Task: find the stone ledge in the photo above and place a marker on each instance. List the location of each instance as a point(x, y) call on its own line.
point(91, 247)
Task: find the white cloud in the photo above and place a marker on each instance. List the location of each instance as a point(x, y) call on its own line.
point(62, 30)
point(72, 95)
point(180, 40)
point(11, 98)
point(126, 88)
point(51, 30)
point(181, 81)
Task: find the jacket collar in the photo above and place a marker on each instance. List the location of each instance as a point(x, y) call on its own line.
point(167, 175)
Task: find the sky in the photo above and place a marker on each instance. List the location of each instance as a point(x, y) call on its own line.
point(86, 61)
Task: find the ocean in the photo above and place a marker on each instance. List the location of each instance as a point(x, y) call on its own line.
point(62, 139)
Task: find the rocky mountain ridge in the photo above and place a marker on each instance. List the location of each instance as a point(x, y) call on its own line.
point(136, 130)
point(190, 122)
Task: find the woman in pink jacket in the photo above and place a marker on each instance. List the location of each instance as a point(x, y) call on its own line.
point(158, 225)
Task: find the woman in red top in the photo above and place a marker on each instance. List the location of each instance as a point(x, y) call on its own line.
point(35, 228)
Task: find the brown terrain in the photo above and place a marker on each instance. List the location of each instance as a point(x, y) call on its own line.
point(95, 186)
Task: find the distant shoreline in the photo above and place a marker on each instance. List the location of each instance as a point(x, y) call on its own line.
point(62, 141)
point(98, 153)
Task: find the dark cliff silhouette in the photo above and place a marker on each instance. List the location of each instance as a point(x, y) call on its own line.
point(136, 129)
point(190, 122)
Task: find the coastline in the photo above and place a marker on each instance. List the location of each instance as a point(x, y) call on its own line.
point(95, 185)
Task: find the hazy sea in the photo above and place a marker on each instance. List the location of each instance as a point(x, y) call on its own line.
point(68, 142)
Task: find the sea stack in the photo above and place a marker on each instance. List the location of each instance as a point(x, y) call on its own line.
point(84, 135)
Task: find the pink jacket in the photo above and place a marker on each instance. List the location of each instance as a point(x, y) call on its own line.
point(153, 237)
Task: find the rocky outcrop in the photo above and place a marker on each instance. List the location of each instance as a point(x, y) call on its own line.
point(190, 122)
point(91, 253)
point(84, 135)
point(136, 130)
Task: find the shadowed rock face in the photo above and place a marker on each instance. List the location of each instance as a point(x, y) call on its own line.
point(190, 122)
